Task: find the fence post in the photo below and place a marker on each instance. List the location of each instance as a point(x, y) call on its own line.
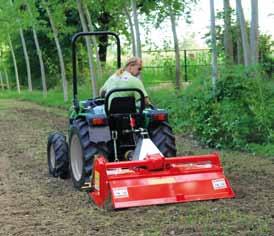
point(185, 65)
point(1, 82)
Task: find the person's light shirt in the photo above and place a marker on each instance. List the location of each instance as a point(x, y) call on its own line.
point(125, 80)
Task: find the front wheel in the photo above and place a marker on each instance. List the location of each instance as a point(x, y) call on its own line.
point(82, 153)
point(162, 136)
point(57, 152)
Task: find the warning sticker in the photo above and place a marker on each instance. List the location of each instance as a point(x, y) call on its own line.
point(120, 192)
point(119, 171)
point(97, 180)
point(219, 184)
point(168, 180)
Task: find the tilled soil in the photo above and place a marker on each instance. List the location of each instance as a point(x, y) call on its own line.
point(33, 203)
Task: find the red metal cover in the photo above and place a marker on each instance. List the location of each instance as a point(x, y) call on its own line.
point(159, 180)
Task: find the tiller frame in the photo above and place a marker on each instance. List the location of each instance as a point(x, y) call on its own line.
point(158, 180)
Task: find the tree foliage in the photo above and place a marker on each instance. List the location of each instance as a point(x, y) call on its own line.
point(241, 111)
point(265, 42)
point(32, 17)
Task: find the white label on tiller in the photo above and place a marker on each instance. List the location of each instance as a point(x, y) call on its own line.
point(219, 184)
point(120, 192)
point(118, 171)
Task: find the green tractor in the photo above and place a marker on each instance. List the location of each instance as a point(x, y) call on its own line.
point(113, 128)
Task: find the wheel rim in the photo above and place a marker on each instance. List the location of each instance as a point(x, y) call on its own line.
point(52, 157)
point(76, 157)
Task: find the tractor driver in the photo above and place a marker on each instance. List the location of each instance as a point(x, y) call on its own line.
point(126, 77)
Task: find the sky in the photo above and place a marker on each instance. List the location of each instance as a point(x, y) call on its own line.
point(201, 21)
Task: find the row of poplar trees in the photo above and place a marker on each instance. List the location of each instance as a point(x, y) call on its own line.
point(40, 31)
point(246, 47)
point(47, 21)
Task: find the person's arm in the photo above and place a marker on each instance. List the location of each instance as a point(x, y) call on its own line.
point(140, 85)
point(103, 89)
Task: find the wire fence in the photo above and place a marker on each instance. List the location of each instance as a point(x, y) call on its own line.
point(160, 65)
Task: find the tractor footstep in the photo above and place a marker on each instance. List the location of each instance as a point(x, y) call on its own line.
point(86, 186)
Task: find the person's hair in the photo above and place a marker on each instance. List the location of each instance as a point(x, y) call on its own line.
point(130, 62)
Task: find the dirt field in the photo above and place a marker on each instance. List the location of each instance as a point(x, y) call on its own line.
point(33, 203)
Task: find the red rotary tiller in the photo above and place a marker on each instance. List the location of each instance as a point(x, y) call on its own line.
point(158, 180)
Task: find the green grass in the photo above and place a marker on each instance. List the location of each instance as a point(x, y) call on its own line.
point(266, 150)
point(54, 98)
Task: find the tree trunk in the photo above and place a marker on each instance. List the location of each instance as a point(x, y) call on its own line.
point(7, 79)
point(41, 62)
point(254, 33)
point(103, 42)
point(239, 50)
point(26, 55)
point(136, 25)
point(60, 55)
point(94, 42)
point(132, 31)
point(15, 65)
point(213, 45)
point(39, 54)
point(228, 32)
point(1, 81)
point(89, 49)
point(176, 47)
point(104, 20)
point(245, 44)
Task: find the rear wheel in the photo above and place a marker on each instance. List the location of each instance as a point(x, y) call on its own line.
point(82, 153)
point(57, 150)
point(163, 137)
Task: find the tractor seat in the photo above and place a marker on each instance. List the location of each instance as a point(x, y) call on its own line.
point(122, 105)
point(120, 111)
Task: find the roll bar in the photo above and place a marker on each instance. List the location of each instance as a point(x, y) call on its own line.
point(74, 61)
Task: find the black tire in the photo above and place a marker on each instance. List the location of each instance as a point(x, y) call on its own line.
point(57, 150)
point(82, 153)
point(162, 136)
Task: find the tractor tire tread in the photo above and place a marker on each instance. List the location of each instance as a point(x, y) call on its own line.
point(58, 140)
point(162, 136)
point(90, 150)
